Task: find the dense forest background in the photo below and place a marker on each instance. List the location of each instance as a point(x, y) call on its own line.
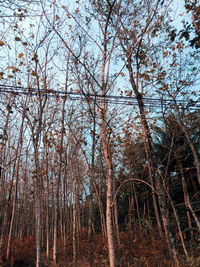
point(99, 133)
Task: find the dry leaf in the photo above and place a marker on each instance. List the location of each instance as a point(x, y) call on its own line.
point(20, 55)
point(2, 43)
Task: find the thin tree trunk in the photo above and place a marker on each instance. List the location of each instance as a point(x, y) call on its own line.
point(115, 216)
point(38, 231)
point(136, 203)
point(38, 208)
point(3, 229)
point(109, 183)
point(60, 153)
point(74, 225)
point(47, 206)
point(190, 143)
point(109, 192)
point(130, 210)
point(55, 225)
point(101, 211)
point(179, 227)
point(19, 148)
point(106, 144)
point(64, 209)
point(109, 219)
point(186, 196)
point(4, 210)
point(47, 231)
point(92, 172)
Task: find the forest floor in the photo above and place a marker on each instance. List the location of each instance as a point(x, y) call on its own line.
point(145, 250)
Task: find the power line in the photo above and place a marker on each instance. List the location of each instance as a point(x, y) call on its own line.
point(113, 99)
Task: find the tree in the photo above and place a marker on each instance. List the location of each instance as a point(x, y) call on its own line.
point(192, 7)
point(91, 156)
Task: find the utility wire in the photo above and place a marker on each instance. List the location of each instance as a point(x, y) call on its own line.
point(113, 99)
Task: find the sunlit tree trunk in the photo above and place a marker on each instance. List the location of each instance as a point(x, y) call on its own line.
point(115, 214)
point(36, 130)
point(38, 208)
point(74, 224)
point(4, 209)
point(106, 145)
point(92, 173)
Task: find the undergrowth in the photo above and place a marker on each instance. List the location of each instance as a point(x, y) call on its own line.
point(139, 249)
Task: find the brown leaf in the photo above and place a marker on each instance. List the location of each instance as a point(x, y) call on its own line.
point(57, 17)
point(34, 73)
point(2, 43)
point(17, 39)
point(15, 70)
point(1, 75)
point(122, 74)
point(20, 55)
point(146, 76)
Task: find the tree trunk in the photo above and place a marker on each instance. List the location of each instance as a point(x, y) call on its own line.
point(155, 177)
point(74, 241)
point(38, 211)
point(55, 225)
point(115, 215)
point(109, 192)
point(92, 172)
point(192, 147)
point(186, 196)
point(104, 133)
